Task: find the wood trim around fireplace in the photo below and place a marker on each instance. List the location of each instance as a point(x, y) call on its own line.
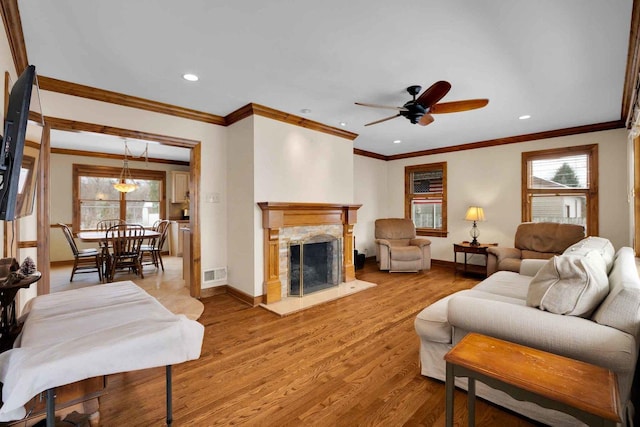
point(277, 215)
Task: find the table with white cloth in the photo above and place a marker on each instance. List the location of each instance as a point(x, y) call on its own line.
point(88, 332)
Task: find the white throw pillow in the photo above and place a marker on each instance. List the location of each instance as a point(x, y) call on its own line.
point(571, 285)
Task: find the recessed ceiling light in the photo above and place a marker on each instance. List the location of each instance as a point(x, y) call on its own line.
point(305, 111)
point(525, 117)
point(190, 77)
point(343, 124)
point(397, 141)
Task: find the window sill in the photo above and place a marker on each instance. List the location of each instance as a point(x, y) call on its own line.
point(432, 233)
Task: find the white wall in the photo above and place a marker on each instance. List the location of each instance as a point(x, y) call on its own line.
point(490, 177)
point(241, 251)
point(295, 164)
point(370, 190)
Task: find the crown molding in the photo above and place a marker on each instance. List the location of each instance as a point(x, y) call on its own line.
point(69, 152)
point(371, 154)
point(74, 126)
point(616, 124)
point(631, 77)
point(75, 89)
point(13, 26)
point(271, 113)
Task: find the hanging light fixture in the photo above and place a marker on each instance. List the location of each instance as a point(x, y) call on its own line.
point(126, 183)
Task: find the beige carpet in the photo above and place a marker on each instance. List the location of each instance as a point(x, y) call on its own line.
point(290, 305)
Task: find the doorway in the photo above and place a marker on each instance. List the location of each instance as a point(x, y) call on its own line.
point(193, 147)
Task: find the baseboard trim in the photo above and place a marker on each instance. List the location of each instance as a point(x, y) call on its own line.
point(230, 290)
point(213, 291)
point(441, 263)
point(61, 263)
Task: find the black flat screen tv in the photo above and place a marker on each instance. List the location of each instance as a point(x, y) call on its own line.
point(12, 149)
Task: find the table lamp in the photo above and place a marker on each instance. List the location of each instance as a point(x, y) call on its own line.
point(474, 213)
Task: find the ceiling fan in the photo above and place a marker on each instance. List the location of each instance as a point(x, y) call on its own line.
point(419, 110)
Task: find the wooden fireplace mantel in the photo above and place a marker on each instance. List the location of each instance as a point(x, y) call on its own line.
point(277, 215)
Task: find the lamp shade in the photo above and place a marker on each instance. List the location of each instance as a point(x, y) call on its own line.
point(474, 213)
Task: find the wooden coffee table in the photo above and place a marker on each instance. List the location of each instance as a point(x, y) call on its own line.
point(587, 392)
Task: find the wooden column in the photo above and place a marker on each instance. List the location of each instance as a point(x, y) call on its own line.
point(276, 215)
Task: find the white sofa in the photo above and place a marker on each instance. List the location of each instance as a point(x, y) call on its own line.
point(598, 327)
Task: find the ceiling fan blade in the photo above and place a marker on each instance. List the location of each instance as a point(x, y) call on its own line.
point(434, 93)
point(456, 106)
point(382, 120)
point(388, 107)
point(425, 120)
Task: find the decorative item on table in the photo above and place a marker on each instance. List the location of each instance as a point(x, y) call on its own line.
point(12, 272)
point(474, 213)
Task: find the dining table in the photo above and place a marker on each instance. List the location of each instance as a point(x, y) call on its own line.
point(101, 236)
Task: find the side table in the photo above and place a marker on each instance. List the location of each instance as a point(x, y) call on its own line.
point(585, 391)
point(468, 249)
point(9, 328)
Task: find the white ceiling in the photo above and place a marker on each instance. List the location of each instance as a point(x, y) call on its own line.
point(562, 62)
point(102, 143)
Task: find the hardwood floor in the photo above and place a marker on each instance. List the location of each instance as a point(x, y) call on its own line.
point(349, 362)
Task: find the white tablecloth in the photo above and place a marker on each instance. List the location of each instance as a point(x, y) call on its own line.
point(100, 330)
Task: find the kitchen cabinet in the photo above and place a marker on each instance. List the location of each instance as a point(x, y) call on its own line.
point(179, 186)
point(176, 243)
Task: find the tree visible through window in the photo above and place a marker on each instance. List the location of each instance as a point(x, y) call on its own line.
point(560, 185)
point(426, 198)
point(97, 199)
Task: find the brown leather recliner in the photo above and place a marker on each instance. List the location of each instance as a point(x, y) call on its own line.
point(534, 240)
point(398, 248)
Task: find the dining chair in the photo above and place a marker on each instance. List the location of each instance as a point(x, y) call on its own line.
point(105, 224)
point(124, 241)
point(84, 260)
point(151, 254)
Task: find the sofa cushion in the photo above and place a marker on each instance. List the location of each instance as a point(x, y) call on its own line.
point(527, 254)
point(621, 308)
point(394, 228)
point(571, 285)
point(549, 237)
point(505, 283)
point(406, 253)
point(591, 243)
point(432, 322)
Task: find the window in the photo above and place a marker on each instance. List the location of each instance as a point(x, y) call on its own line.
point(425, 190)
point(97, 199)
point(561, 185)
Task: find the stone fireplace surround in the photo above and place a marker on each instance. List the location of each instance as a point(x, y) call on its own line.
point(280, 216)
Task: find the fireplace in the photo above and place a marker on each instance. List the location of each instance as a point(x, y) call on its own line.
point(314, 264)
point(285, 222)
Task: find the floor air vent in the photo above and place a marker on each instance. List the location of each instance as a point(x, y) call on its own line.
point(215, 275)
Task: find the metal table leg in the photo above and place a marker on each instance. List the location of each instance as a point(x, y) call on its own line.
point(169, 397)
point(449, 385)
point(51, 407)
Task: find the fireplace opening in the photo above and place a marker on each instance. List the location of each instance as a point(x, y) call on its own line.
point(314, 265)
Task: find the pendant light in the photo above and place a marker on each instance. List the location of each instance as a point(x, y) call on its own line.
point(126, 183)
